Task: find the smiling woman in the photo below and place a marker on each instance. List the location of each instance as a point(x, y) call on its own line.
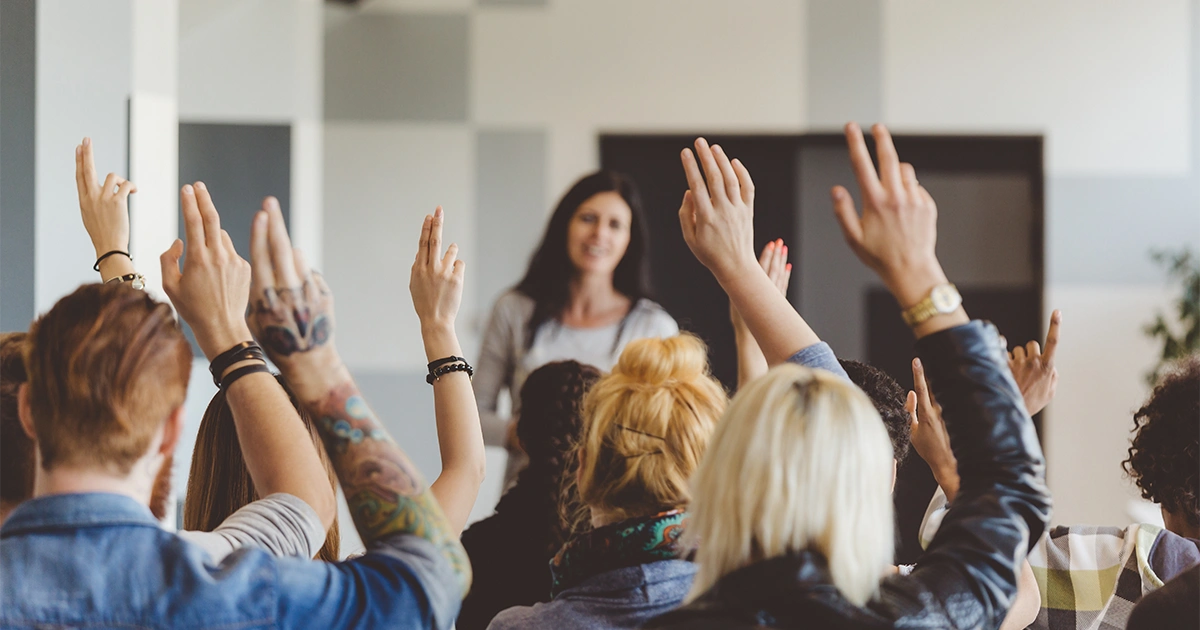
point(584, 296)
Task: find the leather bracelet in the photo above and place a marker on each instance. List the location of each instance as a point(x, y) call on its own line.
point(96, 267)
point(233, 376)
point(440, 362)
point(243, 351)
point(447, 369)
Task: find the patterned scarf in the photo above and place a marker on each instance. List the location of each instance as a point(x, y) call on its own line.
point(629, 543)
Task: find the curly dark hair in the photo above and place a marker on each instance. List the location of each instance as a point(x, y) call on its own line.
point(1164, 454)
point(888, 397)
point(548, 427)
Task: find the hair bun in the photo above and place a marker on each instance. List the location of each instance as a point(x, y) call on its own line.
point(655, 362)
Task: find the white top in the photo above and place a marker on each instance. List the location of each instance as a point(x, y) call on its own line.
point(505, 363)
point(279, 524)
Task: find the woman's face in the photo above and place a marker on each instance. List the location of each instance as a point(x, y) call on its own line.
point(598, 234)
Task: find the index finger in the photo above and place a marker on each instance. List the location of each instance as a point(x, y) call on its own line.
point(282, 261)
point(701, 202)
point(208, 213)
point(920, 384)
point(1052, 338)
point(889, 161)
point(262, 275)
point(192, 222)
point(89, 165)
point(860, 159)
point(79, 182)
point(435, 236)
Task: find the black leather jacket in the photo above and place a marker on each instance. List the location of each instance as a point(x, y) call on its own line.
point(968, 576)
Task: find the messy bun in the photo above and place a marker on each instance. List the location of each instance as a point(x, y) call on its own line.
point(646, 425)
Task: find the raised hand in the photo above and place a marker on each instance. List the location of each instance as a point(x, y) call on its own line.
point(211, 291)
point(929, 434)
point(436, 281)
point(773, 260)
point(105, 211)
point(291, 310)
point(718, 217)
point(1034, 370)
point(897, 232)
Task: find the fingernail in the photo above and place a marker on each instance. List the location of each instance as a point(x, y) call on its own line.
point(438, 213)
point(200, 185)
point(837, 194)
point(785, 250)
point(716, 147)
point(187, 189)
point(272, 202)
point(917, 362)
point(78, 150)
point(771, 245)
point(789, 266)
point(87, 141)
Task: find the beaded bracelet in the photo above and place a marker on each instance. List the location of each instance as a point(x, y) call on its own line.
point(443, 370)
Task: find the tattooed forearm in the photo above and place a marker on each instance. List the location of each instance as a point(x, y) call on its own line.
point(385, 492)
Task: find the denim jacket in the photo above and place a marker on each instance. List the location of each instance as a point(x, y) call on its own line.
point(102, 561)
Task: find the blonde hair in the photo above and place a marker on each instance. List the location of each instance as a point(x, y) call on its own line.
point(646, 426)
point(800, 461)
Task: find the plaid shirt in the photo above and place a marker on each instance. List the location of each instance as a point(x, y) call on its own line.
point(1091, 577)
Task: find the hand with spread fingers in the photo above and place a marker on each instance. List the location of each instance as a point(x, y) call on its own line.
point(929, 435)
point(211, 291)
point(717, 219)
point(291, 310)
point(717, 213)
point(1034, 370)
point(105, 211)
point(896, 234)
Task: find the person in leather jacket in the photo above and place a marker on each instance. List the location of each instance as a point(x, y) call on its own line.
point(821, 562)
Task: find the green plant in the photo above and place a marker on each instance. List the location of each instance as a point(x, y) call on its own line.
point(1181, 336)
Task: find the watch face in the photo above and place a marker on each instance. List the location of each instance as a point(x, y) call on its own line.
point(138, 283)
point(945, 298)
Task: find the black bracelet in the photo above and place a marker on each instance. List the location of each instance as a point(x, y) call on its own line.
point(243, 371)
point(96, 267)
point(439, 372)
point(440, 362)
point(243, 351)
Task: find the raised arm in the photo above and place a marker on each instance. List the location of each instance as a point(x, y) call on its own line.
point(211, 295)
point(751, 362)
point(293, 317)
point(436, 285)
point(1002, 505)
point(105, 211)
point(717, 218)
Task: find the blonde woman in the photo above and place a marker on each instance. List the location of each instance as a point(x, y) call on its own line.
point(791, 507)
point(645, 427)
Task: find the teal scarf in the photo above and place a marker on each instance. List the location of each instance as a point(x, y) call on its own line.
point(629, 543)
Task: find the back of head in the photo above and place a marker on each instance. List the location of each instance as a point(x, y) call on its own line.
point(16, 449)
point(1164, 456)
point(646, 426)
point(219, 483)
point(800, 462)
point(888, 397)
point(107, 365)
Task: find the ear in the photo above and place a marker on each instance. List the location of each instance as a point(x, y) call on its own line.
point(24, 412)
point(172, 430)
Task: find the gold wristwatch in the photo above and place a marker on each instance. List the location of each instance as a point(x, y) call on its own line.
point(942, 299)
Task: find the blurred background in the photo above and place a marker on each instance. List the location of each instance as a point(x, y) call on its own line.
point(1060, 138)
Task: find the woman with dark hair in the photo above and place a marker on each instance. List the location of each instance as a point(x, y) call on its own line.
point(584, 296)
point(511, 550)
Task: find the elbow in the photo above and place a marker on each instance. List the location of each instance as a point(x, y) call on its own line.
point(326, 507)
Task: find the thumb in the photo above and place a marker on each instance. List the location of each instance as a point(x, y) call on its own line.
point(170, 268)
point(687, 216)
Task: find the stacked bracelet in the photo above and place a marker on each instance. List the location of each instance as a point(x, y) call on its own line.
point(442, 367)
point(243, 371)
point(244, 351)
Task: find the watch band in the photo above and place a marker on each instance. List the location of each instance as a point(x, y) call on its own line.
point(942, 299)
point(135, 280)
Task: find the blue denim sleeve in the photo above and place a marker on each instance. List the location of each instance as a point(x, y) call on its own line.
point(402, 582)
point(819, 356)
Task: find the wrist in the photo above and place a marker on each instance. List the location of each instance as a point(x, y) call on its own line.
point(733, 270)
point(213, 342)
point(910, 284)
point(440, 341)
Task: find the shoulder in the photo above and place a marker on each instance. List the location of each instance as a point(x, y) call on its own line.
point(650, 315)
point(546, 615)
point(513, 303)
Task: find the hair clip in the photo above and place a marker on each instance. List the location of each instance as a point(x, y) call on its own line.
point(632, 430)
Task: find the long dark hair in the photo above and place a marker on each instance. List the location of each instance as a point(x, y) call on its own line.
point(548, 278)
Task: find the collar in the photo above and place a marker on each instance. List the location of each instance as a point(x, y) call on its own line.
point(69, 511)
point(629, 543)
point(765, 580)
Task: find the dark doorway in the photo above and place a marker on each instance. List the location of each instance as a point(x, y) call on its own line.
point(990, 194)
